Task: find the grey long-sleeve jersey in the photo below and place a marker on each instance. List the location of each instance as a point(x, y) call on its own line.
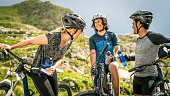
point(146, 51)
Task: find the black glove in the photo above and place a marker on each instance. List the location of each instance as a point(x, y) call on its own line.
point(163, 51)
point(93, 71)
point(129, 58)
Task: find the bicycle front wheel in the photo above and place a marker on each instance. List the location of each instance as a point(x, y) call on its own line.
point(164, 89)
point(167, 87)
point(4, 88)
point(64, 90)
point(87, 93)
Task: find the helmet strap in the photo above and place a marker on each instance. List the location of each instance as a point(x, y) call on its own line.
point(137, 27)
point(73, 34)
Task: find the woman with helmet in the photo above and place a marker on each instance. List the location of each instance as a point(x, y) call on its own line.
point(52, 45)
point(147, 46)
point(97, 44)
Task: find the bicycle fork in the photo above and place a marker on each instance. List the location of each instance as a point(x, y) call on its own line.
point(9, 73)
point(101, 65)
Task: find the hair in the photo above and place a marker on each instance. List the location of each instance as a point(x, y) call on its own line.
point(60, 29)
point(145, 26)
point(104, 21)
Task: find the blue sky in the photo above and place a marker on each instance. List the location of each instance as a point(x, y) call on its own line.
point(117, 12)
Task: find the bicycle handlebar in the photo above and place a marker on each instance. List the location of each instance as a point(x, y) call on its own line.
point(17, 57)
point(33, 68)
point(102, 52)
point(152, 63)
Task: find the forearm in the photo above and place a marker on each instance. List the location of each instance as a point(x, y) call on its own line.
point(93, 59)
point(56, 64)
point(116, 48)
point(23, 43)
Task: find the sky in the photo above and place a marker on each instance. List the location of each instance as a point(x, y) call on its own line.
point(117, 12)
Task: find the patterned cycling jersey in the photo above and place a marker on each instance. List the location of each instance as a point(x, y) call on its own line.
point(146, 51)
point(98, 43)
point(51, 50)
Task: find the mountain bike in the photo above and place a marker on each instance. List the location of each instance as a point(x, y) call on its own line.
point(22, 71)
point(104, 84)
point(161, 85)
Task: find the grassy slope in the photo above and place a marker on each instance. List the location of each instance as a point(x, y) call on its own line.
point(42, 15)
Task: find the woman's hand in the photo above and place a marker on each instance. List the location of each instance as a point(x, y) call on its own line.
point(5, 46)
point(50, 70)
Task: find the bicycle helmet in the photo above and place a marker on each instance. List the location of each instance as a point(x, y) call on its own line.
point(73, 21)
point(143, 16)
point(98, 15)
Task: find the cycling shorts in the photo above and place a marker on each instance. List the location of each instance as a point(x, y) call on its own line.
point(143, 85)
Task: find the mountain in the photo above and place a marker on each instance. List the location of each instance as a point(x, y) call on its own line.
point(42, 15)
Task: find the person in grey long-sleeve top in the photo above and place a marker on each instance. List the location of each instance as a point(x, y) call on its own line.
point(146, 51)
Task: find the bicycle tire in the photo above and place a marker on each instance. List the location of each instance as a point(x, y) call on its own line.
point(64, 90)
point(167, 86)
point(165, 90)
point(4, 87)
point(87, 93)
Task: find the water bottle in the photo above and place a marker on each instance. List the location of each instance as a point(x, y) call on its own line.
point(108, 54)
point(122, 58)
point(48, 64)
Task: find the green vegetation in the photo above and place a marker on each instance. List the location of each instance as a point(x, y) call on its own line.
point(42, 15)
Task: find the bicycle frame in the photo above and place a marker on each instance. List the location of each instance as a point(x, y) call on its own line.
point(21, 72)
point(158, 85)
point(160, 79)
point(101, 76)
point(103, 80)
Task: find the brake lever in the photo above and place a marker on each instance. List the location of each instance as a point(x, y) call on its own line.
point(4, 50)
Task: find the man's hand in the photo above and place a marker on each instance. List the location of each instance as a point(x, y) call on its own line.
point(163, 51)
point(109, 60)
point(93, 71)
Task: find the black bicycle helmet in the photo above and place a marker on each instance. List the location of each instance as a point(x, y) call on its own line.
point(143, 16)
point(73, 20)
